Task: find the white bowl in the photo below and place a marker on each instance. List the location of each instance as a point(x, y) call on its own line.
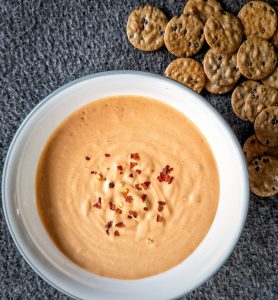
point(18, 188)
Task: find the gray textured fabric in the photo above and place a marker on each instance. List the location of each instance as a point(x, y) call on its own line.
point(45, 44)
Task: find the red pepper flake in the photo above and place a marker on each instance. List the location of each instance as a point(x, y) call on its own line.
point(87, 158)
point(138, 171)
point(119, 211)
point(145, 185)
point(131, 175)
point(108, 226)
point(132, 164)
point(144, 197)
point(137, 185)
point(112, 206)
point(107, 154)
point(164, 175)
point(161, 205)
point(128, 198)
point(120, 224)
point(159, 218)
point(135, 156)
point(132, 213)
point(98, 203)
point(111, 185)
point(146, 208)
point(120, 168)
point(116, 233)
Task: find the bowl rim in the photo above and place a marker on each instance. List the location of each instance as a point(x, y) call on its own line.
point(226, 126)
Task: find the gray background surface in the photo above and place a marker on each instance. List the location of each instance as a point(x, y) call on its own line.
point(45, 44)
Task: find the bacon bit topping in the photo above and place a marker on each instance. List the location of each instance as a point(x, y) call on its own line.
point(131, 175)
point(145, 185)
point(150, 241)
point(120, 168)
point(146, 208)
point(132, 213)
point(161, 205)
point(132, 164)
point(87, 158)
point(93, 172)
point(111, 185)
point(135, 156)
point(128, 199)
point(159, 218)
point(121, 173)
point(116, 233)
point(97, 203)
point(144, 197)
point(164, 175)
point(138, 171)
point(108, 226)
point(120, 224)
point(112, 206)
point(107, 154)
point(137, 185)
point(119, 211)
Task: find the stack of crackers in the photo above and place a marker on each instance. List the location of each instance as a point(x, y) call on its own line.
point(241, 46)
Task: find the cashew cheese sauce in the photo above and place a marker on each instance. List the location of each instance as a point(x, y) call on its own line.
point(127, 187)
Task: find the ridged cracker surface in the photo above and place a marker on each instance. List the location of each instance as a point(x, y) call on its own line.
point(239, 96)
point(258, 19)
point(223, 32)
point(215, 88)
point(184, 35)
point(188, 72)
point(274, 39)
point(145, 28)
point(221, 68)
point(256, 58)
point(202, 9)
point(266, 126)
point(272, 79)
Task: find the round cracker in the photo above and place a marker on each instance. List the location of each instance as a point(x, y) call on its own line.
point(260, 98)
point(258, 19)
point(266, 126)
point(188, 72)
point(263, 176)
point(145, 28)
point(239, 96)
point(272, 79)
point(253, 148)
point(215, 88)
point(221, 68)
point(223, 32)
point(184, 35)
point(274, 39)
point(202, 9)
point(256, 58)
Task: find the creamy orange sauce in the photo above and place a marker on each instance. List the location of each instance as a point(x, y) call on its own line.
point(74, 173)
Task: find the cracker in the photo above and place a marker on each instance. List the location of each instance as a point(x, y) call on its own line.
point(221, 68)
point(223, 32)
point(260, 98)
point(253, 148)
point(266, 126)
point(256, 58)
point(215, 88)
point(239, 96)
point(274, 39)
point(145, 28)
point(202, 9)
point(258, 19)
point(184, 35)
point(188, 72)
point(272, 79)
point(263, 176)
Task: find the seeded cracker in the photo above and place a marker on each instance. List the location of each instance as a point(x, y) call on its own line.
point(188, 72)
point(253, 148)
point(256, 58)
point(239, 96)
point(260, 98)
point(184, 35)
point(202, 9)
point(263, 176)
point(272, 79)
point(258, 19)
point(215, 88)
point(274, 39)
point(223, 32)
point(221, 68)
point(266, 126)
point(145, 28)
